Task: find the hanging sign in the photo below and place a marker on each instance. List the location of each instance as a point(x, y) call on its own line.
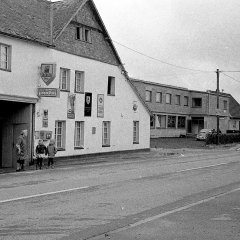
point(100, 105)
point(88, 105)
point(71, 106)
point(48, 72)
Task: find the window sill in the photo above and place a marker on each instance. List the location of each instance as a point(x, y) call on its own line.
point(61, 149)
point(197, 107)
point(78, 92)
point(6, 70)
point(106, 146)
point(135, 142)
point(63, 90)
point(78, 148)
point(112, 95)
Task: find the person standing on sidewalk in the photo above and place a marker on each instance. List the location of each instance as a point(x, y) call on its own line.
point(41, 151)
point(21, 150)
point(51, 151)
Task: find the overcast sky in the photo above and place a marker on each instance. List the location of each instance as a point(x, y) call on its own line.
point(197, 34)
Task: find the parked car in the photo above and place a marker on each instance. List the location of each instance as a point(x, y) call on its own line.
point(202, 135)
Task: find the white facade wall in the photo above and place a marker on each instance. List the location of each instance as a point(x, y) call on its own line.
point(24, 79)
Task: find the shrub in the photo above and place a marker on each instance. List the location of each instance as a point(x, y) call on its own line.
point(223, 138)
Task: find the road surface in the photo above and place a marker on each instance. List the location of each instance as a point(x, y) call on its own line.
point(139, 196)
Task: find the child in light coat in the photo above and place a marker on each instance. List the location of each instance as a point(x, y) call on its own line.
point(51, 151)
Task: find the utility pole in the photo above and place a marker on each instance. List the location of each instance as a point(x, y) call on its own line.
point(218, 112)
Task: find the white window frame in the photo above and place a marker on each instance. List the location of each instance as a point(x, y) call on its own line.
point(60, 134)
point(186, 101)
point(178, 100)
point(64, 79)
point(148, 96)
point(79, 81)
point(83, 34)
point(180, 123)
point(225, 103)
point(171, 121)
point(135, 132)
point(106, 133)
point(158, 97)
point(79, 135)
point(168, 98)
point(111, 86)
point(5, 57)
point(161, 121)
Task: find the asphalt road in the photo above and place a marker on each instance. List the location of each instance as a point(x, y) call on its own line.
point(146, 196)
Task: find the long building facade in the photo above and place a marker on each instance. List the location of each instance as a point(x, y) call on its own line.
point(62, 78)
point(180, 112)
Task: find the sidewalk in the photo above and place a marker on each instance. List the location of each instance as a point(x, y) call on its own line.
point(127, 156)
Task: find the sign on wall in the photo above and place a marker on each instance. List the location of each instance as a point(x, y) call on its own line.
point(45, 118)
point(100, 105)
point(71, 106)
point(48, 72)
point(88, 105)
point(48, 92)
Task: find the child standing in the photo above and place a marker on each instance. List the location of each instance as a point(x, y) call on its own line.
point(51, 151)
point(41, 151)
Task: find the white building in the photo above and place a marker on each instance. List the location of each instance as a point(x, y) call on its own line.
point(61, 77)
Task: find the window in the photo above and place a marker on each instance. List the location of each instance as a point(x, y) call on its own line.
point(152, 121)
point(224, 105)
point(60, 132)
point(135, 132)
point(171, 121)
point(234, 124)
point(106, 134)
point(158, 97)
point(5, 57)
point(79, 82)
point(168, 98)
point(161, 121)
point(111, 86)
point(196, 102)
point(148, 96)
point(181, 122)
point(83, 34)
point(64, 79)
point(185, 101)
point(177, 100)
point(79, 135)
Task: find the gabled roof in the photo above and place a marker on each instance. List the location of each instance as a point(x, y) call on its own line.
point(234, 107)
point(63, 12)
point(27, 19)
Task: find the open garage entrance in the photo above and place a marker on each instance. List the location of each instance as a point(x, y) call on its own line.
point(14, 117)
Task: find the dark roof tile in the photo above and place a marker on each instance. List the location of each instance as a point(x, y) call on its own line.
point(28, 19)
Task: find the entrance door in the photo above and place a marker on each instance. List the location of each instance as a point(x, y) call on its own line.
point(17, 128)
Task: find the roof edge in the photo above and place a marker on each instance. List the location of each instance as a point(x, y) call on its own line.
point(27, 39)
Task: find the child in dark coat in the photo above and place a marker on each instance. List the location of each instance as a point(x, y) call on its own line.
point(51, 151)
point(40, 153)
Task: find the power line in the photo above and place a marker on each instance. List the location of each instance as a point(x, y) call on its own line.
point(230, 77)
point(167, 63)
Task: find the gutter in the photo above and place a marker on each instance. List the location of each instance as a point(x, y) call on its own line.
point(27, 39)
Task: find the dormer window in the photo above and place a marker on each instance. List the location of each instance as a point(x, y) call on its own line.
point(83, 34)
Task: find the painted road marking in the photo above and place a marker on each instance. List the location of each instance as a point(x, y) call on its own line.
point(43, 194)
point(209, 166)
point(147, 220)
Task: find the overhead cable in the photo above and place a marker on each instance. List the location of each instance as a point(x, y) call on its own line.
point(167, 63)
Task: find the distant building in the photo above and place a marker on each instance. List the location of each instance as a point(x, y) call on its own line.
point(61, 78)
point(179, 111)
point(234, 123)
